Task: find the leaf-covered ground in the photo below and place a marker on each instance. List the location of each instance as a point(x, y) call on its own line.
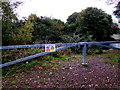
point(70, 74)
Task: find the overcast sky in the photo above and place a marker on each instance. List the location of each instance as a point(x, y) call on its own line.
point(60, 9)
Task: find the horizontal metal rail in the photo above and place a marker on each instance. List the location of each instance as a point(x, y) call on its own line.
point(65, 46)
point(106, 46)
point(36, 45)
point(58, 44)
point(33, 56)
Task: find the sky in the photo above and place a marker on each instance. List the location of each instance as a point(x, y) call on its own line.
point(61, 9)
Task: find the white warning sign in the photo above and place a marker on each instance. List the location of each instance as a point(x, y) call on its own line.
point(50, 48)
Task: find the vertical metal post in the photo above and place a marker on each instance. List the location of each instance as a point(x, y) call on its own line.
point(84, 52)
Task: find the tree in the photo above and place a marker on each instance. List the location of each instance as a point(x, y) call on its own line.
point(72, 18)
point(9, 21)
point(115, 28)
point(46, 30)
point(89, 25)
point(52, 30)
point(24, 34)
point(117, 11)
point(95, 23)
point(117, 2)
point(14, 31)
point(112, 1)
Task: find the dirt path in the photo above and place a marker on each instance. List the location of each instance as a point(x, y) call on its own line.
point(71, 74)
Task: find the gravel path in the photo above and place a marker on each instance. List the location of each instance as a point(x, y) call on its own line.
point(71, 74)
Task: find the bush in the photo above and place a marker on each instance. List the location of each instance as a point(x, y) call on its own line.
point(61, 52)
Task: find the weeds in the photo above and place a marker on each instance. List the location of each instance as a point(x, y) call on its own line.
point(117, 59)
point(10, 55)
point(114, 59)
point(50, 61)
point(108, 62)
point(20, 68)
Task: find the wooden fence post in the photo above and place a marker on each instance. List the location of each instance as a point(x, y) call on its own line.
point(84, 52)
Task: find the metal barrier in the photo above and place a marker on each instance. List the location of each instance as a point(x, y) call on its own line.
point(64, 46)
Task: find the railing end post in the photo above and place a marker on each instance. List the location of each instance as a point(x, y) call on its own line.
point(84, 55)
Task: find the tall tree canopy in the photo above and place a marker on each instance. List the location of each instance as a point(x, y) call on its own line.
point(94, 23)
point(117, 11)
point(9, 20)
point(46, 29)
point(91, 24)
point(72, 18)
point(14, 31)
point(34, 28)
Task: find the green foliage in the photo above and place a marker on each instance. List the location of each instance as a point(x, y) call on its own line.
point(14, 31)
point(35, 50)
point(48, 57)
point(89, 25)
point(46, 30)
point(24, 35)
point(115, 29)
point(8, 23)
point(95, 22)
point(20, 68)
point(117, 11)
point(107, 62)
point(117, 59)
point(48, 61)
point(10, 55)
point(91, 22)
point(114, 59)
point(94, 49)
point(65, 57)
point(7, 11)
point(72, 38)
point(72, 18)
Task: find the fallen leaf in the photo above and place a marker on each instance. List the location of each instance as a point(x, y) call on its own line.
point(54, 68)
point(41, 68)
point(96, 85)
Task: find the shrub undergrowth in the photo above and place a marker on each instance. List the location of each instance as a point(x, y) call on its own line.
point(44, 62)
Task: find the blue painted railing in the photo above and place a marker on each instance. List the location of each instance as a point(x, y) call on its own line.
point(64, 46)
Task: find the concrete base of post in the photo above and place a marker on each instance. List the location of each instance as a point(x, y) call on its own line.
point(85, 64)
